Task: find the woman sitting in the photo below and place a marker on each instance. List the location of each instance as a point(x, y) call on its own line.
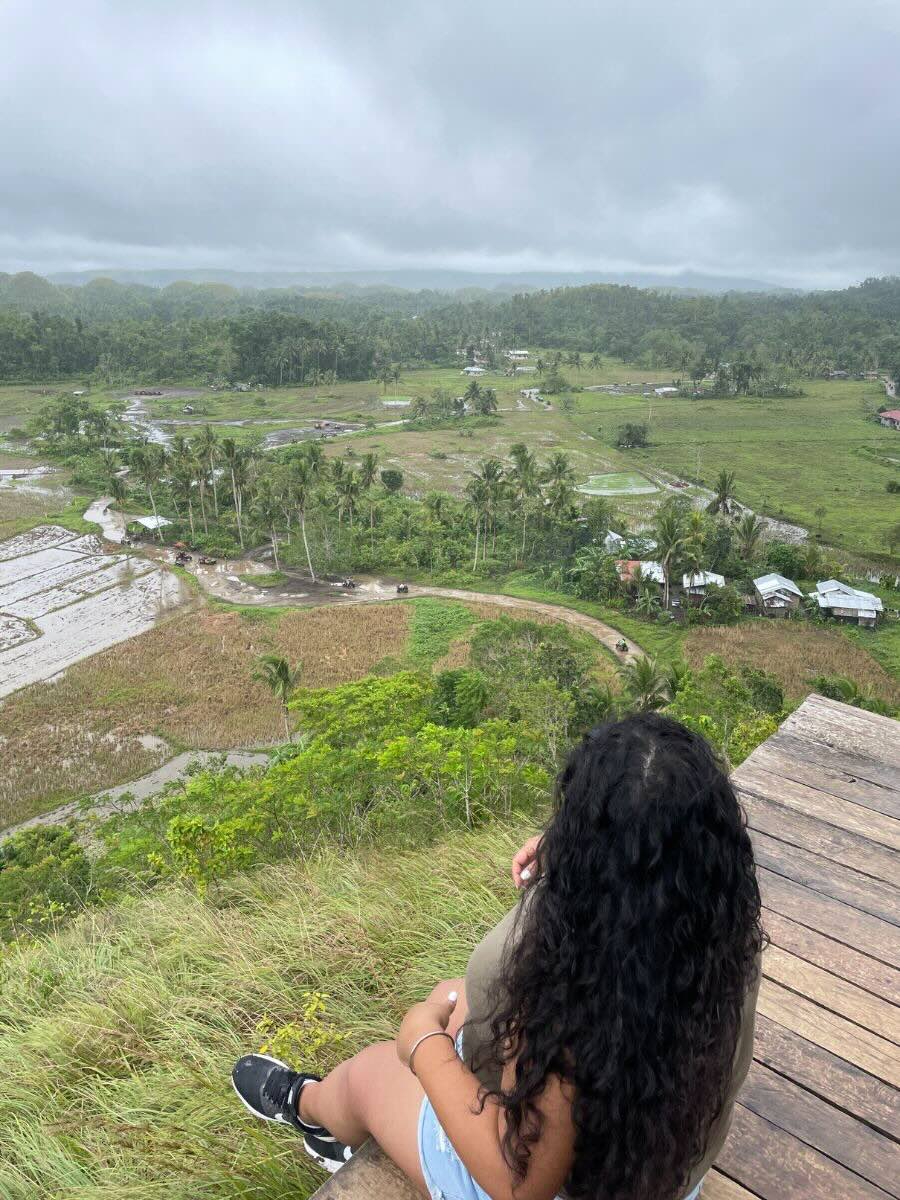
point(603, 1028)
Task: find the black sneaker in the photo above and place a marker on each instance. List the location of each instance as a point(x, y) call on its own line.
point(271, 1090)
point(327, 1152)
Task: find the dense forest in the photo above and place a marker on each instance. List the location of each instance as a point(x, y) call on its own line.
point(119, 332)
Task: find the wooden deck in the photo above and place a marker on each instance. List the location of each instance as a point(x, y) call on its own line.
point(819, 1115)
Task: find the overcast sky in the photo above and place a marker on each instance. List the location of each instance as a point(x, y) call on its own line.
point(752, 137)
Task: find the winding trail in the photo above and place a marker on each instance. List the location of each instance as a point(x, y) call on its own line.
point(598, 629)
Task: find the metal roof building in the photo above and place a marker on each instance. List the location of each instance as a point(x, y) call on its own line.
point(841, 600)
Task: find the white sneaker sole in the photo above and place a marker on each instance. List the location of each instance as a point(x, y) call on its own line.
point(327, 1164)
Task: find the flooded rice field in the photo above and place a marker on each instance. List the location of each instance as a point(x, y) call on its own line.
point(62, 598)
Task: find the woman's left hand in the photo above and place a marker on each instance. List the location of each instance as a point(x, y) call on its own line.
point(431, 1016)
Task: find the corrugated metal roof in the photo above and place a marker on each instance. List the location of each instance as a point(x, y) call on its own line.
point(773, 582)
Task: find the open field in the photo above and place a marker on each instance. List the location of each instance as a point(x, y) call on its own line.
point(790, 457)
point(794, 652)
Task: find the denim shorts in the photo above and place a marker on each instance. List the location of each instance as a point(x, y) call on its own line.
point(446, 1176)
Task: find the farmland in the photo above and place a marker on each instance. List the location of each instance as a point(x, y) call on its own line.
point(188, 684)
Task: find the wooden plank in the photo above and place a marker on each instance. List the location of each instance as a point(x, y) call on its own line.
point(778, 1166)
point(814, 802)
point(861, 1047)
point(819, 837)
point(717, 1186)
point(814, 1121)
point(859, 780)
point(831, 917)
point(832, 992)
point(825, 952)
point(827, 1075)
point(845, 728)
point(864, 765)
point(828, 878)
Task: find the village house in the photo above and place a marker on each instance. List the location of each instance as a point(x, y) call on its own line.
point(665, 391)
point(776, 595)
point(698, 584)
point(847, 603)
point(891, 418)
point(613, 541)
point(629, 568)
point(473, 371)
point(517, 355)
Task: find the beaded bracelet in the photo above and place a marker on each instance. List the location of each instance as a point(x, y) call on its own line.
point(424, 1038)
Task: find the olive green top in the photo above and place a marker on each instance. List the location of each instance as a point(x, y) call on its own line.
point(482, 977)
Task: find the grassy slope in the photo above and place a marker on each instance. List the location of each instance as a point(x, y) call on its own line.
point(118, 1034)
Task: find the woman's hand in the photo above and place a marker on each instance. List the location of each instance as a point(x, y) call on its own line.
point(431, 1016)
point(524, 863)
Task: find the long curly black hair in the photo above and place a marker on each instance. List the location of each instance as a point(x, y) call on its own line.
point(632, 962)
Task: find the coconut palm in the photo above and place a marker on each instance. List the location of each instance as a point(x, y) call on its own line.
point(723, 500)
point(670, 534)
point(206, 446)
point(472, 394)
point(235, 461)
point(645, 684)
point(559, 468)
point(300, 488)
point(478, 495)
point(523, 482)
point(183, 489)
point(749, 531)
point(368, 473)
point(148, 463)
point(486, 402)
point(348, 494)
point(267, 508)
point(282, 681)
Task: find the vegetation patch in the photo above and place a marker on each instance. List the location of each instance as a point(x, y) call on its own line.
point(434, 626)
point(268, 579)
point(795, 653)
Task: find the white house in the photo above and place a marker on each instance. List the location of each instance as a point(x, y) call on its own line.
point(696, 584)
point(517, 355)
point(776, 594)
point(613, 542)
point(666, 391)
point(649, 571)
point(847, 603)
point(473, 371)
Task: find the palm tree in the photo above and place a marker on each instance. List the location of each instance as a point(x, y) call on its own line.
point(282, 681)
point(523, 480)
point(267, 507)
point(487, 402)
point(183, 486)
point(348, 493)
point(368, 473)
point(300, 486)
point(669, 533)
point(148, 463)
point(472, 394)
point(479, 500)
point(723, 500)
point(559, 469)
point(236, 463)
point(559, 499)
point(207, 449)
point(645, 684)
point(749, 530)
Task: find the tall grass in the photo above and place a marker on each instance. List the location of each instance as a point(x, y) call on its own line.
point(117, 1034)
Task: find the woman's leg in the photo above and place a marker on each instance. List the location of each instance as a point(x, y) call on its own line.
point(374, 1094)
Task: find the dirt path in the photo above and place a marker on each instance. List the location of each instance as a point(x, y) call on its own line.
point(104, 804)
point(568, 616)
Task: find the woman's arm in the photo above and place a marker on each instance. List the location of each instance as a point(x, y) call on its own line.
point(476, 1131)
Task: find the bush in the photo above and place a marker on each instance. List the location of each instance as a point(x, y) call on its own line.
point(892, 485)
point(44, 874)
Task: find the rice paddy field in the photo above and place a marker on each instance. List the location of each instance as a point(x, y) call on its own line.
point(188, 684)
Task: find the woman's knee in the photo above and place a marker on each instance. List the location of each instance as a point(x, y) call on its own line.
point(365, 1073)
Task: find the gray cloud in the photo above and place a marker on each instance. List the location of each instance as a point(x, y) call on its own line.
point(756, 138)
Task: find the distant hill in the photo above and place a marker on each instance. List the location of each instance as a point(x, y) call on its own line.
point(424, 279)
